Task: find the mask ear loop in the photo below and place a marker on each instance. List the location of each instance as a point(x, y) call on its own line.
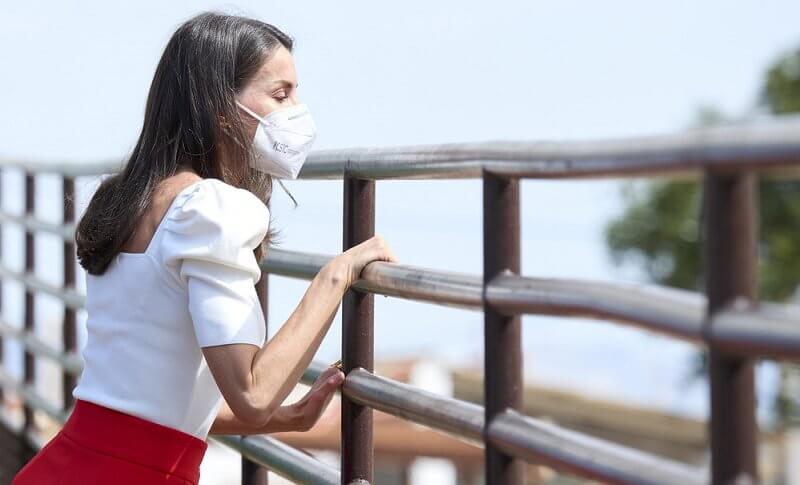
point(249, 111)
point(263, 120)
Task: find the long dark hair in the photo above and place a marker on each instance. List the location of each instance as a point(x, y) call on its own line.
point(189, 120)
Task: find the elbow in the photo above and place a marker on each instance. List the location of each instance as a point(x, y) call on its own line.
point(255, 412)
point(256, 407)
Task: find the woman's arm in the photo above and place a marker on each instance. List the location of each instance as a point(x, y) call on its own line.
point(255, 381)
point(285, 418)
point(299, 416)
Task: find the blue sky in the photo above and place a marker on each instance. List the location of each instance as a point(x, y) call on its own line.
point(378, 73)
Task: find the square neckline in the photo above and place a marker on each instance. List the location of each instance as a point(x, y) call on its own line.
point(148, 249)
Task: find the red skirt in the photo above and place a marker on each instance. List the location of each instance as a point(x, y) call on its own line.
point(99, 445)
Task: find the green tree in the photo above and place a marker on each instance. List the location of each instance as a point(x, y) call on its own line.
point(658, 229)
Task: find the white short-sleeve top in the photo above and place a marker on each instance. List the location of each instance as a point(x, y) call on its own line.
point(150, 313)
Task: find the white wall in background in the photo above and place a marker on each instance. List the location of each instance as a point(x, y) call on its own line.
point(434, 377)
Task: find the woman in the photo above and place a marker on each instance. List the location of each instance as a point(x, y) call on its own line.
point(176, 335)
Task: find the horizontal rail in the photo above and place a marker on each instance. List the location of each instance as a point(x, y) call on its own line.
point(528, 438)
point(537, 441)
point(738, 146)
point(770, 330)
point(34, 224)
point(673, 312)
point(71, 362)
point(754, 145)
point(64, 168)
point(71, 298)
point(31, 397)
point(409, 282)
point(767, 330)
point(282, 459)
point(312, 372)
point(460, 418)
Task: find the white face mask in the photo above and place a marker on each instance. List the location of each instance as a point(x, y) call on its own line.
point(283, 139)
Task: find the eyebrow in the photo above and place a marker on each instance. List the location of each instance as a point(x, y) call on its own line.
point(285, 82)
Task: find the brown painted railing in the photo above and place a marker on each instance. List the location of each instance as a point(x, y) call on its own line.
point(727, 320)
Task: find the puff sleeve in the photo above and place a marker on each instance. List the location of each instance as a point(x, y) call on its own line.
point(208, 240)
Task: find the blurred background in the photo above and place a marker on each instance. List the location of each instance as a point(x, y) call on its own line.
point(75, 76)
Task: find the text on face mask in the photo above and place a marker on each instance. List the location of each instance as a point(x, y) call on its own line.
point(284, 148)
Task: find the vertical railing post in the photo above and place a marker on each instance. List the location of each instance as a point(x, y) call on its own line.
point(30, 362)
point(252, 472)
point(357, 336)
point(69, 331)
point(502, 333)
point(731, 228)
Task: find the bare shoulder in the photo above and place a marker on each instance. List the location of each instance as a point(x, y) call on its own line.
point(166, 191)
point(171, 186)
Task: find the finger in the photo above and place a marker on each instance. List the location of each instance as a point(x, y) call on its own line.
point(329, 373)
point(327, 388)
point(335, 379)
point(322, 380)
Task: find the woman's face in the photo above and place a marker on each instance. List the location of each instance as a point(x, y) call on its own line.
point(273, 87)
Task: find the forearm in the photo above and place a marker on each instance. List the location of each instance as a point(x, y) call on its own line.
point(285, 418)
point(279, 364)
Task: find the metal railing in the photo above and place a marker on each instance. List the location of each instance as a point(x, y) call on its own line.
point(727, 320)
